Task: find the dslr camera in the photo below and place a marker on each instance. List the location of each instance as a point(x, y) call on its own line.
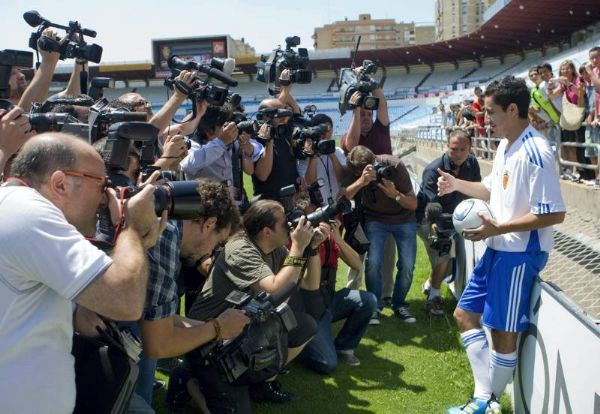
point(440, 238)
point(326, 212)
point(179, 198)
point(382, 170)
point(203, 89)
point(269, 68)
point(70, 46)
point(102, 116)
point(362, 82)
point(276, 131)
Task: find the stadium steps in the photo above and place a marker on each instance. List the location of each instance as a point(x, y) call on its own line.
point(414, 108)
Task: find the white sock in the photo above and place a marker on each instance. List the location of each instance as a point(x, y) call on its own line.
point(426, 285)
point(501, 371)
point(433, 293)
point(477, 348)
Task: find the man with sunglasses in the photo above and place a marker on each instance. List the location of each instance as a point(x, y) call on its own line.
point(47, 266)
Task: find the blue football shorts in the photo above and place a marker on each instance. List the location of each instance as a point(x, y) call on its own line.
point(500, 288)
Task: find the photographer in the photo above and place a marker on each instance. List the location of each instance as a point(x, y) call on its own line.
point(328, 167)
point(17, 85)
point(254, 261)
point(164, 332)
point(276, 168)
point(376, 137)
point(458, 161)
point(14, 132)
point(37, 91)
point(363, 131)
point(48, 205)
point(388, 206)
point(218, 136)
point(328, 306)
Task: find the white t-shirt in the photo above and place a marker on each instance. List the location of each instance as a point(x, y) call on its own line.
point(325, 169)
point(44, 264)
point(524, 180)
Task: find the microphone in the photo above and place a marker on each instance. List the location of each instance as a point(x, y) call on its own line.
point(225, 65)
point(176, 63)
point(33, 18)
point(277, 298)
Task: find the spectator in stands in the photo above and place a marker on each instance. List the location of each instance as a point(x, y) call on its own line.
point(591, 124)
point(276, 167)
point(328, 306)
point(524, 195)
point(477, 107)
point(572, 87)
point(543, 115)
point(165, 333)
point(389, 209)
point(48, 205)
point(549, 85)
point(459, 162)
point(253, 261)
point(592, 70)
point(326, 167)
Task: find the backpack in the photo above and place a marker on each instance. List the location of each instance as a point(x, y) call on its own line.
point(106, 370)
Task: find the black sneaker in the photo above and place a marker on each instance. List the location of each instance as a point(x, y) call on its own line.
point(271, 391)
point(404, 314)
point(374, 318)
point(177, 395)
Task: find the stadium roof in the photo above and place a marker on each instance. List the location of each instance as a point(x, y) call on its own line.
point(519, 25)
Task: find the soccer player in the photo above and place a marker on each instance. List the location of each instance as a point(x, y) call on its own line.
point(524, 196)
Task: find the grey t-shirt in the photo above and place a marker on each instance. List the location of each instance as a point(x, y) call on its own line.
point(239, 266)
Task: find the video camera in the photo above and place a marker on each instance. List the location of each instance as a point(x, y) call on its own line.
point(71, 46)
point(362, 82)
point(440, 238)
point(8, 59)
point(202, 89)
point(269, 68)
point(320, 145)
point(260, 351)
point(102, 116)
point(276, 131)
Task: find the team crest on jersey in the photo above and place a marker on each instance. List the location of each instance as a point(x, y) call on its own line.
point(505, 179)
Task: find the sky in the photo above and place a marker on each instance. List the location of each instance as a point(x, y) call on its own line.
point(126, 27)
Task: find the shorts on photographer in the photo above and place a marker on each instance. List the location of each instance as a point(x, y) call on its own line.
point(424, 231)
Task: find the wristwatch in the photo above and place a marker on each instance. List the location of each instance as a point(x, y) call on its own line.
point(398, 197)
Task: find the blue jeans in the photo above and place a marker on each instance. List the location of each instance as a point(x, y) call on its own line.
point(406, 241)
point(356, 306)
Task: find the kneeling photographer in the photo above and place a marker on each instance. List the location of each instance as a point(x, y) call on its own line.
point(434, 214)
point(258, 261)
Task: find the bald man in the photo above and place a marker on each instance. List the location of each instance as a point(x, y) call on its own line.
point(58, 183)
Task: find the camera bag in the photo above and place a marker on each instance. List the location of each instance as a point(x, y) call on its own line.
point(105, 374)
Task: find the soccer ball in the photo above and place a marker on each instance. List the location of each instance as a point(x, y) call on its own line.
point(466, 215)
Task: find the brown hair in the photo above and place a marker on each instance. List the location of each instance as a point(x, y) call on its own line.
point(259, 215)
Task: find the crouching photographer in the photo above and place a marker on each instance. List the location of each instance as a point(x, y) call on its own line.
point(251, 262)
point(434, 213)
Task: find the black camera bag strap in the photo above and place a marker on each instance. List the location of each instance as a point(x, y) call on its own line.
point(105, 375)
point(353, 223)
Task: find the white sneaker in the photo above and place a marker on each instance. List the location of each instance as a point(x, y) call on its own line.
point(374, 319)
point(493, 407)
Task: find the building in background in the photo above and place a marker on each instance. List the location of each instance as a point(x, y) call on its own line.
point(376, 34)
point(455, 18)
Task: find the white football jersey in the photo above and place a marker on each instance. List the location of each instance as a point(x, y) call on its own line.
point(524, 180)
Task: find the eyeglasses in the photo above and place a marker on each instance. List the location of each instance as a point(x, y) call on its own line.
point(101, 180)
